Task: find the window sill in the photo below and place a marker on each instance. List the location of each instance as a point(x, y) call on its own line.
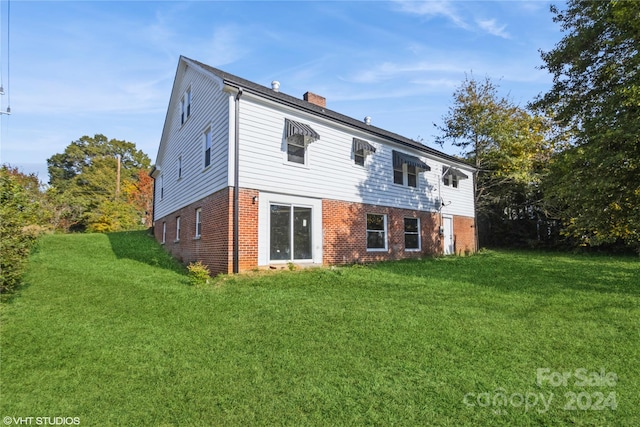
point(377, 250)
point(296, 165)
point(197, 238)
point(176, 241)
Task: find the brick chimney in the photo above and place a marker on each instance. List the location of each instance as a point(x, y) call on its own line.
point(318, 100)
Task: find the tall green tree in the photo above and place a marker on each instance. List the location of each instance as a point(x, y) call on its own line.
point(508, 146)
point(595, 184)
point(85, 181)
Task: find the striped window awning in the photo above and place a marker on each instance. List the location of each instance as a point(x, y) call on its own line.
point(359, 144)
point(297, 129)
point(401, 158)
point(451, 171)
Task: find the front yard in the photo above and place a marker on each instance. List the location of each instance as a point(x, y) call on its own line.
point(107, 331)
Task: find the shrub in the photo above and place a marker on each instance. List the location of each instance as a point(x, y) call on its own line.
point(198, 273)
point(21, 217)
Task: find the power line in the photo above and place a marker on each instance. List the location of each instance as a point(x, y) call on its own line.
point(8, 110)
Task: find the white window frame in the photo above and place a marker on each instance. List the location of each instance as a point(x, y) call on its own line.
point(164, 232)
point(405, 176)
point(297, 141)
point(177, 229)
point(265, 200)
point(405, 232)
point(185, 106)
point(198, 230)
point(451, 180)
point(386, 233)
point(359, 154)
point(208, 144)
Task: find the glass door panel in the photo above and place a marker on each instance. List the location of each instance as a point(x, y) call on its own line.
point(280, 241)
point(301, 233)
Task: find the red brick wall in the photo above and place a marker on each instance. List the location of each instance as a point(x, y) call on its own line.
point(213, 247)
point(248, 249)
point(464, 235)
point(345, 233)
point(343, 223)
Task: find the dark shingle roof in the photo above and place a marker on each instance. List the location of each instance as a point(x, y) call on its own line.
point(283, 98)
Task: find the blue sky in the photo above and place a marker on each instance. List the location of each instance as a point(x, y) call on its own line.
point(85, 67)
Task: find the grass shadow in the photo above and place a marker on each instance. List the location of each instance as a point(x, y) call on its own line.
point(141, 246)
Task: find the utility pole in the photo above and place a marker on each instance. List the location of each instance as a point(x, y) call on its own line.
point(118, 178)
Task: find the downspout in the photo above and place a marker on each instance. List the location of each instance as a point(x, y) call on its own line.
point(475, 209)
point(441, 205)
point(236, 187)
point(153, 202)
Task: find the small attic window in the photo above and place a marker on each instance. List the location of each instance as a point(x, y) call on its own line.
point(185, 106)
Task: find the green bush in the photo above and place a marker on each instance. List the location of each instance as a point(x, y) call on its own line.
point(21, 216)
point(198, 273)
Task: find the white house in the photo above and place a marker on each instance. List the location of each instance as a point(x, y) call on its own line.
point(247, 176)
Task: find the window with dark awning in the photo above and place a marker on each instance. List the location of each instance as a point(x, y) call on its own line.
point(301, 131)
point(401, 158)
point(359, 144)
point(455, 172)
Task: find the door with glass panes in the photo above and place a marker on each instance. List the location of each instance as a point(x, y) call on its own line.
point(290, 236)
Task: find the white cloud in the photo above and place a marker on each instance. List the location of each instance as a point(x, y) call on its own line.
point(432, 8)
point(390, 70)
point(490, 26)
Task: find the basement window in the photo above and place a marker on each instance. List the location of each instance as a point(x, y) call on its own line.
point(412, 234)
point(198, 223)
point(376, 232)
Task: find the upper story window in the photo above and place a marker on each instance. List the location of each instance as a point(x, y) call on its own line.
point(298, 137)
point(296, 150)
point(207, 147)
point(450, 180)
point(185, 106)
point(376, 232)
point(361, 149)
point(451, 177)
point(406, 168)
point(161, 187)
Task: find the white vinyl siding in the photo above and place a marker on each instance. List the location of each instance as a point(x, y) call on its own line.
point(329, 171)
point(187, 141)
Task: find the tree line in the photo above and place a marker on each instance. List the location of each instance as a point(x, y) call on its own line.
point(565, 169)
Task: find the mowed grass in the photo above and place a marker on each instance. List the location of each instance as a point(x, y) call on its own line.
point(108, 330)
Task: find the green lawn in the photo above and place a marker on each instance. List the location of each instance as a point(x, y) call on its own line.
point(108, 330)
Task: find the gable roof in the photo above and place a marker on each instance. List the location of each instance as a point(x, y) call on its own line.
point(282, 98)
